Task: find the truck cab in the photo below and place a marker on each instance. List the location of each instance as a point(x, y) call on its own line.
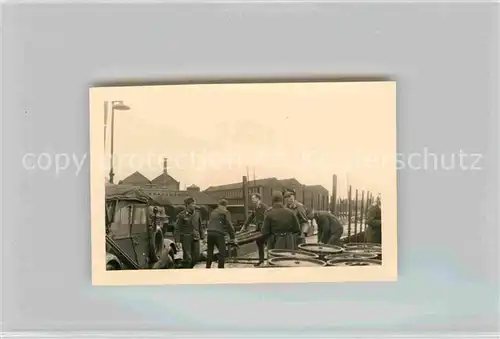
point(134, 236)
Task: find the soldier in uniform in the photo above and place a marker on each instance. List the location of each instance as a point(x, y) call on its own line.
point(257, 217)
point(159, 216)
point(374, 222)
point(218, 226)
point(281, 226)
point(300, 212)
point(330, 228)
point(188, 232)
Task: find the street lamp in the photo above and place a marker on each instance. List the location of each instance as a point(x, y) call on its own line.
point(115, 105)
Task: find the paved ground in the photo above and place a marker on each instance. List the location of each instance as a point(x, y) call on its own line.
point(250, 251)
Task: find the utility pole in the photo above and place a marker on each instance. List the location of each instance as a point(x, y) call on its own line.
point(245, 195)
point(334, 194)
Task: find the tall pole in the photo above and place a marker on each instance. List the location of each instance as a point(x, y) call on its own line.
point(361, 220)
point(245, 195)
point(349, 211)
point(368, 203)
point(115, 105)
point(356, 214)
point(112, 150)
point(105, 122)
point(254, 183)
point(334, 194)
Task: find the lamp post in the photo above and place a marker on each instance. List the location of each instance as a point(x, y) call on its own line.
point(115, 105)
point(105, 123)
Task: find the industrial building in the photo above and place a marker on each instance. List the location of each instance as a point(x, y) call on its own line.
point(312, 196)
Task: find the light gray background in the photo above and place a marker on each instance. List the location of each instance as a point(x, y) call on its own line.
point(445, 59)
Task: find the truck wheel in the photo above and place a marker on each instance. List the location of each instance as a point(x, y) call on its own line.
point(112, 266)
point(156, 245)
point(166, 260)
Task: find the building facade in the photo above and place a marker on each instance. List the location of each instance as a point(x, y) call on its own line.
point(135, 179)
point(233, 193)
point(166, 190)
point(313, 197)
point(164, 180)
point(316, 197)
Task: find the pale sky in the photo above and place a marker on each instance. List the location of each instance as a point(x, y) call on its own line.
point(210, 133)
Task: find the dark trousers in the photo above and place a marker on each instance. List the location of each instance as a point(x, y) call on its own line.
point(301, 239)
point(335, 236)
point(261, 243)
point(190, 250)
point(216, 239)
point(286, 241)
point(373, 235)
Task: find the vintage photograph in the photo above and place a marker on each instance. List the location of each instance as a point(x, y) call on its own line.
point(192, 182)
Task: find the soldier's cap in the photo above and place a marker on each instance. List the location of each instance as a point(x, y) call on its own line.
point(257, 195)
point(189, 200)
point(223, 202)
point(287, 194)
point(277, 198)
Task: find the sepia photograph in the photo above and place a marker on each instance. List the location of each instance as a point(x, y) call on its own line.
point(243, 183)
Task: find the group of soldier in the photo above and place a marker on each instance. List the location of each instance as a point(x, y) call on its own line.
point(284, 225)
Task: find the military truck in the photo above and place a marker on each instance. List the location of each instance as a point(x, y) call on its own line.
point(134, 236)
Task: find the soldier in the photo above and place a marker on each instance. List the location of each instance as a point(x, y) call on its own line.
point(330, 228)
point(257, 217)
point(159, 216)
point(281, 226)
point(300, 212)
point(188, 232)
point(374, 222)
point(218, 226)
